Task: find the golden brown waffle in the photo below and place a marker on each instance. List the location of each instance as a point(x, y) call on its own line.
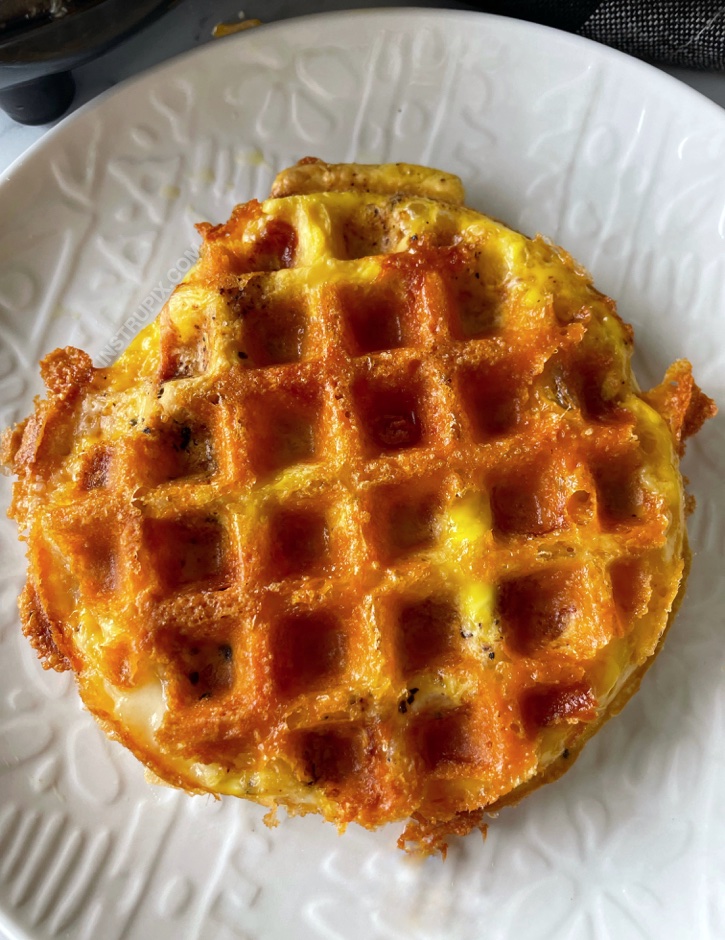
point(372, 521)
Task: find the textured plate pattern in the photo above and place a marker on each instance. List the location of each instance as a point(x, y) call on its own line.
point(549, 133)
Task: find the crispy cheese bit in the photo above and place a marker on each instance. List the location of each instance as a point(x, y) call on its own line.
point(681, 402)
point(228, 29)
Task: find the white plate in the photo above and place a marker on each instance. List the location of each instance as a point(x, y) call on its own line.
point(612, 159)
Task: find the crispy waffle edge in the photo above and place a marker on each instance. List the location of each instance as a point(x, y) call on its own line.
point(30, 451)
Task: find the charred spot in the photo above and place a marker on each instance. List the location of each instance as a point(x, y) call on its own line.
point(446, 739)
point(495, 396)
point(188, 552)
point(426, 631)
point(299, 541)
point(375, 317)
point(410, 519)
point(536, 609)
point(530, 503)
point(547, 705)
point(308, 648)
point(331, 756)
point(184, 437)
point(390, 415)
point(621, 496)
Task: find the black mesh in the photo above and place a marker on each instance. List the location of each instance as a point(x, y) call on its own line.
point(689, 33)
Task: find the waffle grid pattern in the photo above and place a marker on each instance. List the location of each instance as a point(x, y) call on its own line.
point(387, 505)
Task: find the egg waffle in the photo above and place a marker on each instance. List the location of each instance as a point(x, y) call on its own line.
point(372, 521)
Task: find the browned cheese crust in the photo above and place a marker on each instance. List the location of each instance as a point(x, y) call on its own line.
point(372, 521)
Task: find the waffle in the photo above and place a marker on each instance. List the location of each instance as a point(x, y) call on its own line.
point(373, 520)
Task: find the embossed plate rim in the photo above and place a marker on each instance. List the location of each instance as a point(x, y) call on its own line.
point(376, 853)
point(645, 69)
